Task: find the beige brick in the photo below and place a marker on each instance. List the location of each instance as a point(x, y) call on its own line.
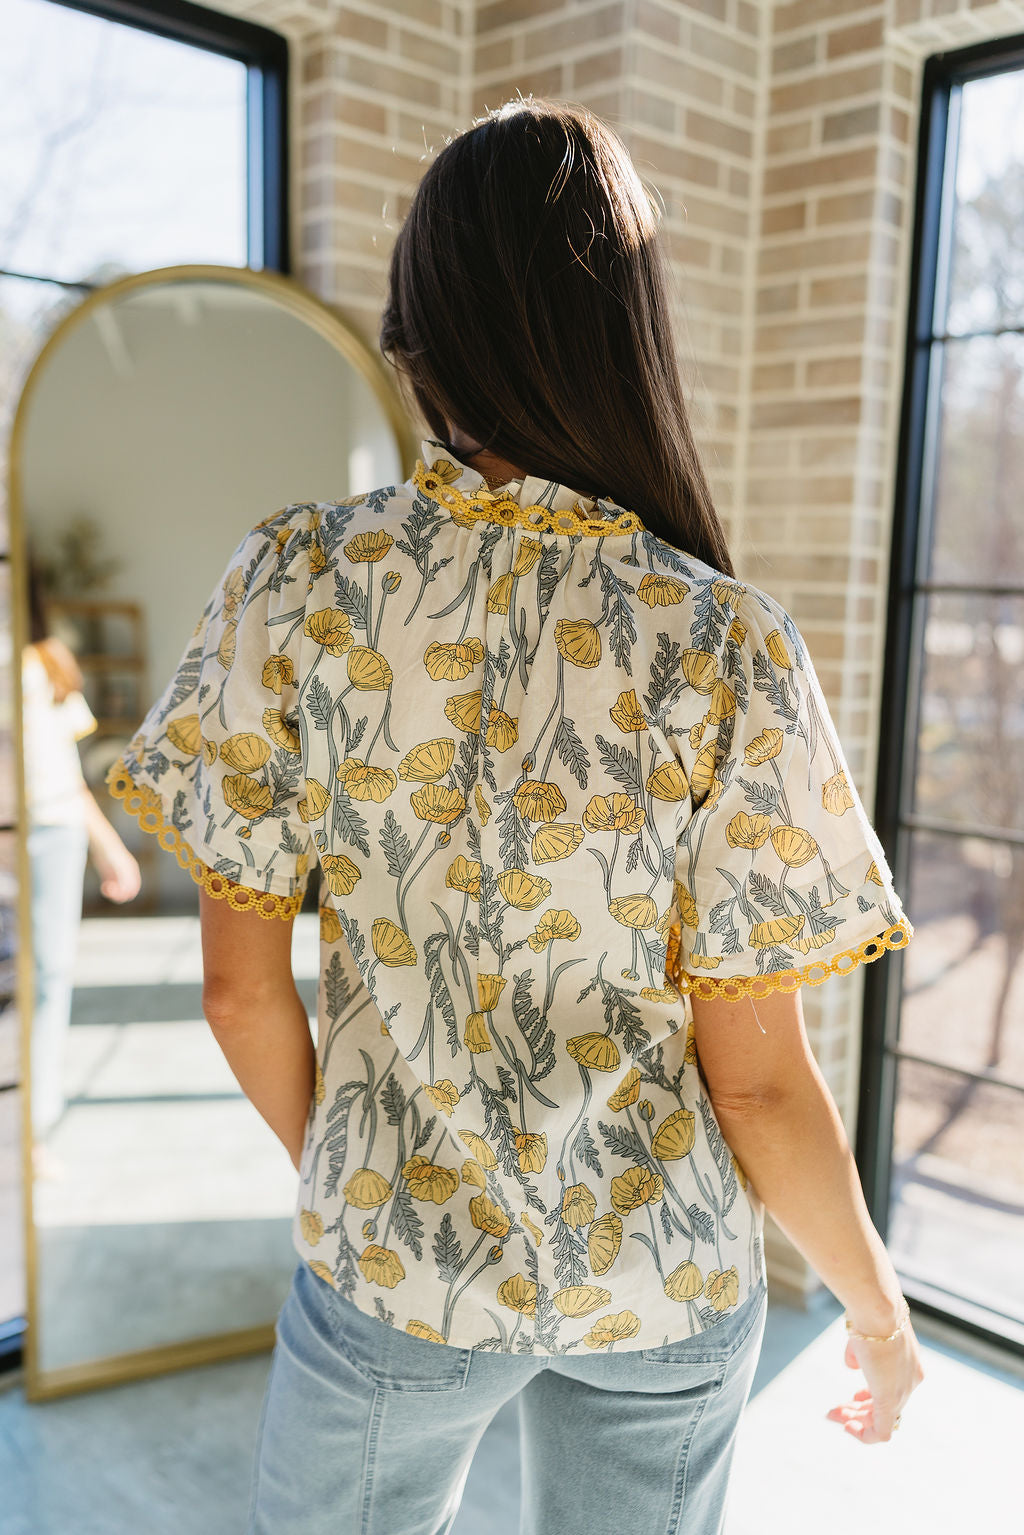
point(771, 452)
point(828, 452)
point(833, 372)
point(539, 82)
point(826, 88)
point(749, 17)
point(803, 490)
point(608, 102)
point(654, 111)
point(774, 376)
point(429, 13)
point(738, 182)
point(357, 113)
point(358, 197)
point(429, 51)
point(799, 54)
point(794, 336)
point(347, 155)
point(786, 138)
point(385, 77)
point(851, 165)
point(803, 412)
point(496, 54)
point(834, 292)
point(859, 38)
point(811, 254)
point(744, 101)
point(711, 130)
point(783, 217)
point(589, 24)
point(715, 216)
point(672, 160)
point(718, 9)
point(899, 123)
point(597, 67)
point(805, 13)
point(657, 21)
point(509, 13)
point(851, 124)
point(688, 249)
point(779, 298)
point(359, 28)
point(681, 77)
point(846, 207)
point(733, 261)
point(423, 131)
point(313, 65)
point(721, 48)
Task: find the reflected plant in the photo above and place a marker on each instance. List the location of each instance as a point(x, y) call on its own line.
point(73, 564)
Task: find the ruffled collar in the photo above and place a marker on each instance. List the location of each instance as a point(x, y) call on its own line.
point(542, 506)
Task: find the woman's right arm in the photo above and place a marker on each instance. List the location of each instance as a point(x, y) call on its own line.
point(782, 1123)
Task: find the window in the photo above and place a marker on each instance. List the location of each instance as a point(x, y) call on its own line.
point(941, 1136)
point(136, 134)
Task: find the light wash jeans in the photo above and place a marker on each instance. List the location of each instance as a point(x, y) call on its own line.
point(367, 1430)
point(57, 856)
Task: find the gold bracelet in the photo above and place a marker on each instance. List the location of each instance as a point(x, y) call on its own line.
point(871, 1338)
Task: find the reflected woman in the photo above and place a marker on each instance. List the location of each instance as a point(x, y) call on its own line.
point(65, 826)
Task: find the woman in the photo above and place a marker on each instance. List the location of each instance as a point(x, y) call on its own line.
point(65, 826)
point(584, 826)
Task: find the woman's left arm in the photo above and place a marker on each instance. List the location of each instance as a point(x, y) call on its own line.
point(257, 1016)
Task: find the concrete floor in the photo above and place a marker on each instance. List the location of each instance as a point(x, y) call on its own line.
point(172, 1456)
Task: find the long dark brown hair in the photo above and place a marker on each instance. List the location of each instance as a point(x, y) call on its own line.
point(527, 305)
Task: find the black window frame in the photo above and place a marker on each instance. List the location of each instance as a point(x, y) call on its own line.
point(944, 75)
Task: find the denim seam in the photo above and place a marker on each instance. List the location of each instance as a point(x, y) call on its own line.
point(250, 1523)
point(683, 1460)
point(370, 1458)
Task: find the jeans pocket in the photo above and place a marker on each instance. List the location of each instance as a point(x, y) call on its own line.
point(719, 1342)
point(385, 1356)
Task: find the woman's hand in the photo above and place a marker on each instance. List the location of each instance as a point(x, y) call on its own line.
point(892, 1371)
point(120, 876)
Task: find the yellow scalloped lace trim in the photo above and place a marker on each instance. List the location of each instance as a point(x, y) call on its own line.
point(146, 805)
point(707, 987)
point(488, 506)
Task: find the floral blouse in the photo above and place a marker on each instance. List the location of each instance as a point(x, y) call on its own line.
point(558, 776)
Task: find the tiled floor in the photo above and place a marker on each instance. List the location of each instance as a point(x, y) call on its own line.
point(172, 1456)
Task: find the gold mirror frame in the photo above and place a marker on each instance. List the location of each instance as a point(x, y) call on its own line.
point(43, 1385)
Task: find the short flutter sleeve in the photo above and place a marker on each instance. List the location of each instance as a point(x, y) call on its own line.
point(215, 769)
point(780, 878)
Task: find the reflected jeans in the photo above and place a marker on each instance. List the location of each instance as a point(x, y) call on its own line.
point(57, 857)
point(367, 1430)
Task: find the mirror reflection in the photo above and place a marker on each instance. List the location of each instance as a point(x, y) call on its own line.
point(158, 425)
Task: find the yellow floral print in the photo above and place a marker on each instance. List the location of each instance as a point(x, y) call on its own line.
point(553, 776)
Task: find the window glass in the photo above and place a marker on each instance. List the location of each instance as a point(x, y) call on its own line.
point(970, 764)
point(122, 150)
point(978, 534)
point(987, 270)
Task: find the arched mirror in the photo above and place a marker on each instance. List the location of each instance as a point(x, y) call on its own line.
point(163, 418)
